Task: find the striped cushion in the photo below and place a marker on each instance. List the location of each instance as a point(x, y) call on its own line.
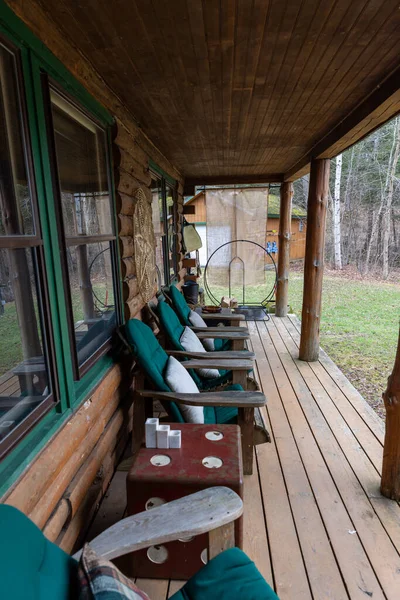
point(100, 580)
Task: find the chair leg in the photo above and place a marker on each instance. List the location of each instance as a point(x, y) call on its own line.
point(246, 422)
point(139, 414)
point(221, 539)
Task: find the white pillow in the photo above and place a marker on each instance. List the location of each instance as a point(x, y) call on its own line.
point(191, 343)
point(180, 381)
point(197, 321)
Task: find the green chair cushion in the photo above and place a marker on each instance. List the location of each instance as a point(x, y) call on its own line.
point(223, 415)
point(222, 345)
point(180, 305)
point(148, 352)
point(173, 328)
point(229, 576)
point(153, 360)
point(32, 568)
point(171, 324)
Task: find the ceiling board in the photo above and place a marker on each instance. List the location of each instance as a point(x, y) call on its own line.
point(238, 87)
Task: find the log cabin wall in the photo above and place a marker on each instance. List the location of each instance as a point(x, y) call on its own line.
point(62, 487)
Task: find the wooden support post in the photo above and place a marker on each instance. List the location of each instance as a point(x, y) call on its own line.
point(314, 259)
point(390, 483)
point(246, 422)
point(285, 231)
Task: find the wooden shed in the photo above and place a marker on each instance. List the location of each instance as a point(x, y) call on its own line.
point(107, 106)
point(298, 225)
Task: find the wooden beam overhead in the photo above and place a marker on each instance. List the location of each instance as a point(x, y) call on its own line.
point(234, 179)
point(380, 106)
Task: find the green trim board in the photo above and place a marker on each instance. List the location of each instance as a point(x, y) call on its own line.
point(159, 171)
point(35, 60)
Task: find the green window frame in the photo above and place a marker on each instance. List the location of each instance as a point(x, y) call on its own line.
point(38, 63)
point(166, 239)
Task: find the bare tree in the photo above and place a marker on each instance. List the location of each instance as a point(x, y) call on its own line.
point(336, 215)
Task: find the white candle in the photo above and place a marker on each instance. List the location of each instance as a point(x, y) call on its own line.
point(175, 438)
point(151, 432)
point(162, 436)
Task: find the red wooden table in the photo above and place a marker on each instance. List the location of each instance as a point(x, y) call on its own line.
point(189, 470)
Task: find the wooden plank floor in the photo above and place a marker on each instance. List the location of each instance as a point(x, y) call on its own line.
point(315, 522)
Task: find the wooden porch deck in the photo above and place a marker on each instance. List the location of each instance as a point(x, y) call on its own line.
point(315, 523)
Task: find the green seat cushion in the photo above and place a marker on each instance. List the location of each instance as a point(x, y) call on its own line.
point(171, 324)
point(148, 352)
point(229, 576)
point(220, 415)
point(32, 568)
point(153, 360)
point(222, 345)
point(223, 415)
point(180, 305)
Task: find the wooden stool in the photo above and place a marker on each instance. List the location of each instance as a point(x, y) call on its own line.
point(210, 455)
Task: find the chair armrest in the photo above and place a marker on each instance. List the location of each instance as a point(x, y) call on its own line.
point(220, 317)
point(216, 329)
point(186, 517)
point(222, 334)
point(229, 365)
point(225, 355)
point(234, 399)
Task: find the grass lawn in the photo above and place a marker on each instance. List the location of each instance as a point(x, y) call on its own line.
point(359, 327)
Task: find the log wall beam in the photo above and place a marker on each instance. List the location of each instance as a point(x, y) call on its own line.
point(285, 232)
point(314, 259)
point(390, 483)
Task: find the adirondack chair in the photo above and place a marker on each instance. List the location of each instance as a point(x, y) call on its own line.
point(227, 338)
point(233, 405)
point(33, 568)
point(173, 329)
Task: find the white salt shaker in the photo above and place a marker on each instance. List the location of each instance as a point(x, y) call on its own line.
point(162, 436)
point(175, 438)
point(151, 432)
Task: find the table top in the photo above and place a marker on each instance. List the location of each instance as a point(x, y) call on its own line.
point(192, 463)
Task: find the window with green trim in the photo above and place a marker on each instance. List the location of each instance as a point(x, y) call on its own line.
point(164, 215)
point(27, 387)
point(86, 229)
point(59, 274)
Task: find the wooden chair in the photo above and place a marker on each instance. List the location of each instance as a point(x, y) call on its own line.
point(34, 568)
point(232, 405)
point(226, 338)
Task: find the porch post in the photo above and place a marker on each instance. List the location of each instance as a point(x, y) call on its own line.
point(285, 231)
point(390, 483)
point(314, 259)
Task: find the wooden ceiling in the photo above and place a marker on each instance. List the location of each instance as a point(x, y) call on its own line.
point(243, 88)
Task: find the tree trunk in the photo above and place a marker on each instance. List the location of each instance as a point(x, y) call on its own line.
point(336, 215)
point(386, 213)
point(390, 484)
point(19, 273)
point(314, 259)
point(385, 205)
point(285, 218)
